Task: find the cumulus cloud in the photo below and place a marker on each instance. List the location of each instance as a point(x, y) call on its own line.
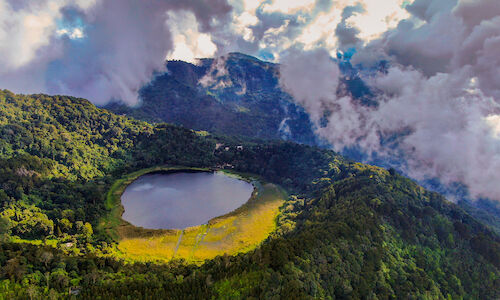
point(27, 26)
point(189, 44)
point(288, 6)
point(444, 36)
point(107, 49)
point(437, 104)
point(98, 49)
point(268, 28)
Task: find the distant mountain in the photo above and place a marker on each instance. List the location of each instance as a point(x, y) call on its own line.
point(235, 95)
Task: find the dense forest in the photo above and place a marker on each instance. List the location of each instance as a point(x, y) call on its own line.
point(348, 230)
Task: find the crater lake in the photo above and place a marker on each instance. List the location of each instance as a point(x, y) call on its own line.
point(183, 199)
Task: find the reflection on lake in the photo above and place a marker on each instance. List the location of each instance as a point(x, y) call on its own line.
point(180, 200)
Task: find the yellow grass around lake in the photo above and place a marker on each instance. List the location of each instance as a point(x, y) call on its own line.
point(239, 231)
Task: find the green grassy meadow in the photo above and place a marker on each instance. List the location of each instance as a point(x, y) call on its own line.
point(238, 231)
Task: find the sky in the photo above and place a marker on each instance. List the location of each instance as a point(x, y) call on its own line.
point(437, 95)
point(107, 49)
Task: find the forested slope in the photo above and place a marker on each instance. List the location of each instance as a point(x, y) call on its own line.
point(348, 231)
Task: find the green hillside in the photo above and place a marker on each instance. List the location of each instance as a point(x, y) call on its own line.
point(347, 230)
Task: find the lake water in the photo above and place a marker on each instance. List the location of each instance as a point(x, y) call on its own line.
point(180, 200)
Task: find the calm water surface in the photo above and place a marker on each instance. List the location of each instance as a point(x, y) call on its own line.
point(180, 200)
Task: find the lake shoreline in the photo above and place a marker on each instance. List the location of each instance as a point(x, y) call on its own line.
point(178, 199)
point(253, 221)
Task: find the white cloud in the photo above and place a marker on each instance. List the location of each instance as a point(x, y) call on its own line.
point(22, 33)
point(321, 31)
point(442, 90)
point(312, 78)
point(251, 5)
point(275, 26)
point(28, 28)
point(121, 43)
point(72, 33)
point(189, 43)
point(451, 128)
point(379, 16)
point(493, 122)
point(289, 6)
point(243, 23)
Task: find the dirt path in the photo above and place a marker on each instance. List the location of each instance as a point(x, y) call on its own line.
point(178, 243)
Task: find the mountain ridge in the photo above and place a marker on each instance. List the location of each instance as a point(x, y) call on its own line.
point(236, 95)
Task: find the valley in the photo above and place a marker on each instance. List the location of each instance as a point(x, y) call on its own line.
point(342, 229)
